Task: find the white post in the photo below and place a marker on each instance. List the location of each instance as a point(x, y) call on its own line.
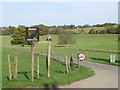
point(113, 58)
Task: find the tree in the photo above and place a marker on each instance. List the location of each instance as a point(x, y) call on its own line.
point(92, 31)
point(66, 37)
point(43, 29)
point(103, 32)
point(5, 31)
point(110, 29)
point(97, 31)
point(81, 31)
point(11, 29)
point(119, 38)
point(117, 30)
point(19, 37)
point(86, 26)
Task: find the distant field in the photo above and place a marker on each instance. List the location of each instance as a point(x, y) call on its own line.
point(83, 41)
point(88, 29)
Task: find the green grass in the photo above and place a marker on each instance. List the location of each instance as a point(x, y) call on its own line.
point(58, 76)
point(83, 41)
point(86, 41)
point(58, 72)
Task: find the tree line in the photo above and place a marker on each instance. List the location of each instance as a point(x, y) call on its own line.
point(109, 29)
point(106, 30)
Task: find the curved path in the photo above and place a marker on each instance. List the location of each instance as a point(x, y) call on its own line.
point(106, 76)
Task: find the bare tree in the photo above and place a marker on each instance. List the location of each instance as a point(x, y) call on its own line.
point(66, 37)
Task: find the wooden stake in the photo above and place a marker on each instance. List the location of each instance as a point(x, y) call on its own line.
point(38, 67)
point(32, 60)
point(15, 67)
point(9, 67)
point(49, 44)
point(65, 60)
point(66, 64)
point(78, 62)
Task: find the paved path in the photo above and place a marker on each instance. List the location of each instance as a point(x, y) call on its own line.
point(106, 77)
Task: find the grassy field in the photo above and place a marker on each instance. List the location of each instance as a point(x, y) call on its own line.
point(83, 41)
point(58, 76)
point(58, 71)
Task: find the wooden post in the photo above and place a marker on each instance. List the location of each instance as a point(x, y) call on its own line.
point(15, 67)
point(71, 61)
point(49, 44)
point(9, 67)
point(66, 64)
point(78, 62)
point(64, 60)
point(32, 60)
point(38, 67)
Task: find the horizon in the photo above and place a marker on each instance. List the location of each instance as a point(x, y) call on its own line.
point(57, 25)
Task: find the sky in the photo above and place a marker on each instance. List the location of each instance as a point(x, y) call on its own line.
point(58, 12)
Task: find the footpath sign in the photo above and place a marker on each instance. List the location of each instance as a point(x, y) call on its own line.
point(82, 56)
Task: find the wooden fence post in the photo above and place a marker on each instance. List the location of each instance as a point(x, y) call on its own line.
point(38, 67)
point(32, 60)
point(78, 62)
point(66, 64)
point(9, 67)
point(15, 67)
point(49, 44)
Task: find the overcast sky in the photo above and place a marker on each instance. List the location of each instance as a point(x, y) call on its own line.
point(59, 12)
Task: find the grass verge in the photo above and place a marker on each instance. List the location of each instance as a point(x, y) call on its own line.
point(58, 72)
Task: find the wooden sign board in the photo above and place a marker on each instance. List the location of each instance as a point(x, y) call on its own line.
point(32, 34)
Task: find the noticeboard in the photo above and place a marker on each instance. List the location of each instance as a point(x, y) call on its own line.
point(32, 34)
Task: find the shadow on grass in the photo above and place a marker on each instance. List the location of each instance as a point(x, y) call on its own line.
point(48, 86)
point(25, 74)
point(35, 74)
point(100, 59)
point(59, 46)
point(104, 60)
point(60, 72)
